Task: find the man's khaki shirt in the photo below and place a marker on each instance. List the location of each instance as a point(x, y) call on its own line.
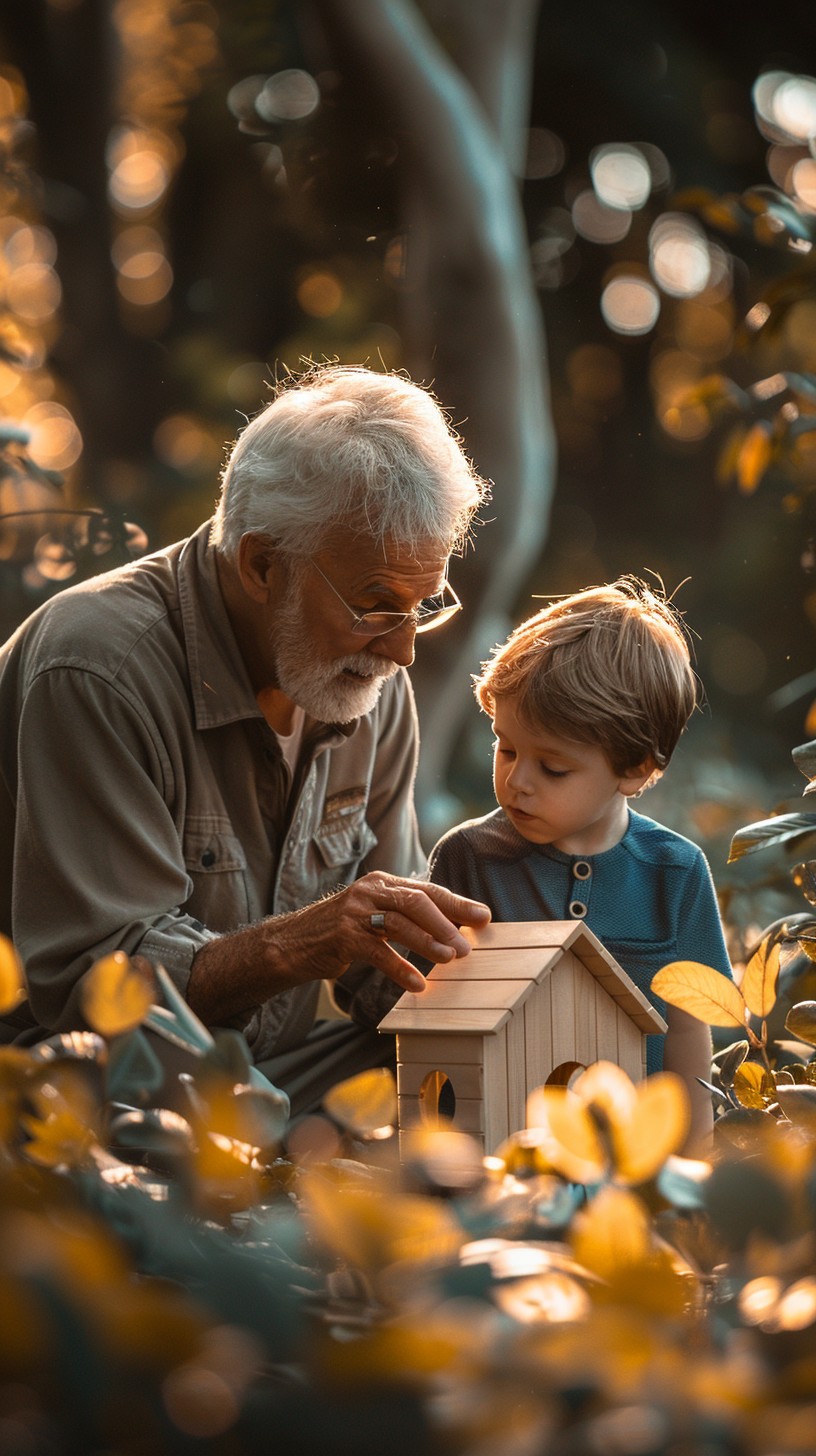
point(145, 805)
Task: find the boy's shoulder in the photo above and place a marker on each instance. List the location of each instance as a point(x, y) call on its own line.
point(649, 841)
point(491, 834)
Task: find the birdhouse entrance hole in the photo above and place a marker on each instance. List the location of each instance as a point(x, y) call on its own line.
point(437, 1098)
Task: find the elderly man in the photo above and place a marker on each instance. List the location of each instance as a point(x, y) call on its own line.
point(208, 756)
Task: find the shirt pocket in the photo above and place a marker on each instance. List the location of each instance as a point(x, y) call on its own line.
point(343, 841)
point(216, 863)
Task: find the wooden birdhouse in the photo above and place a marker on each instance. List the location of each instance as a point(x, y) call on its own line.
point(533, 1001)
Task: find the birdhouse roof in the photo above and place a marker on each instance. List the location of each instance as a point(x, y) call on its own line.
point(479, 992)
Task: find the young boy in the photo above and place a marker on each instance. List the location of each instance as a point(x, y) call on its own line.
point(588, 699)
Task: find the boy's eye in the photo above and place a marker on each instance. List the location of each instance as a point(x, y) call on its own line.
point(553, 773)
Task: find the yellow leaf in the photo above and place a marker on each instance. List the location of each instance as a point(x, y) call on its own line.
point(12, 978)
point(607, 1087)
point(702, 992)
point(613, 1232)
point(655, 1129)
point(753, 1086)
point(760, 979)
point(116, 995)
point(574, 1146)
point(754, 457)
point(366, 1104)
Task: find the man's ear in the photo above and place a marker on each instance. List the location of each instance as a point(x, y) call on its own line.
point(258, 565)
point(643, 776)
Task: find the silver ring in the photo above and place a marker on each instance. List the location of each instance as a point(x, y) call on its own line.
point(377, 920)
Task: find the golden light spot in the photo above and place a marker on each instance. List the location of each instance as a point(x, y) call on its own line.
point(9, 379)
point(199, 1402)
point(56, 442)
point(319, 293)
point(34, 292)
point(800, 330)
point(686, 422)
point(138, 181)
point(595, 374)
point(803, 178)
point(181, 442)
point(630, 304)
point(31, 245)
point(145, 278)
point(704, 329)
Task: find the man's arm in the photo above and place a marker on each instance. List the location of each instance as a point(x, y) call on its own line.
point(235, 972)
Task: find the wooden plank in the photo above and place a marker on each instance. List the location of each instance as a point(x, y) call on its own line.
point(606, 1022)
point(509, 934)
point(494, 1095)
point(630, 1047)
point(467, 1117)
point(511, 964)
point(586, 1021)
point(562, 1002)
point(437, 1051)
point(466, 1081)
point(444, 1022)
point(516, 1073)
point(470, 995)
point(538, 1037)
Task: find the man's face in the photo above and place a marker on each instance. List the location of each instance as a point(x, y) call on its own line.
point(320, 662)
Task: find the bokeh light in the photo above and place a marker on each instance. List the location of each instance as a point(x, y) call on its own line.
point(289, 95)
point(597, 222)
point(630, 304)
point(34, 292)
point(185, 445)
point(785, 105)
point(620, 175)
point(319, 292)
point(55, 442)
point(679, 255)
point(546, 153)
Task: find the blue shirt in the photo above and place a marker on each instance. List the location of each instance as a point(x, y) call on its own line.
point(650, 899)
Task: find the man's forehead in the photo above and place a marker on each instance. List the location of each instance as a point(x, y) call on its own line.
point(370, 558)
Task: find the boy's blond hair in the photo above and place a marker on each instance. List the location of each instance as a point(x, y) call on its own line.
point(609, 665)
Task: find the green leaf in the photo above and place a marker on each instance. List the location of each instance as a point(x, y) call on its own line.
point(799, 1105)
point(804, 878)
point(176, 1021)
point(134, 1072)
point(801, 1021)
point(767, 832)
point(804, 758)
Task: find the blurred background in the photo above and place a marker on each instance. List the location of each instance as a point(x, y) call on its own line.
point(588, 227)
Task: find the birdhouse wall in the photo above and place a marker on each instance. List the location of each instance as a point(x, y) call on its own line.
point(477, 1070)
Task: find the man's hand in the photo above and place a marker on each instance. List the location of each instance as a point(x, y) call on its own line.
point(425, 918)
point(236, 972)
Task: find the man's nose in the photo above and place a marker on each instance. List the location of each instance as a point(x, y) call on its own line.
point(398, 644)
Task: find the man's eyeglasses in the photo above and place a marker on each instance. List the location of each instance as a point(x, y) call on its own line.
point(431, 613)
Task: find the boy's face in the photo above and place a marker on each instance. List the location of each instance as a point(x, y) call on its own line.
point(556, 791)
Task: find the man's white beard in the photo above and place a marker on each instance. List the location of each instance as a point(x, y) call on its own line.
point(323, 688)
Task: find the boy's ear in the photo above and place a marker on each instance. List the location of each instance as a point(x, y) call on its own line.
point(643, 776)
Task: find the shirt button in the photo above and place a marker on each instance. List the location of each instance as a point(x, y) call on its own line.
point(582, 869)
point(578, 909)
point(208, 858)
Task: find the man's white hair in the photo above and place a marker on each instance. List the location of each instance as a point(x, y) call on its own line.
point(347, 446)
